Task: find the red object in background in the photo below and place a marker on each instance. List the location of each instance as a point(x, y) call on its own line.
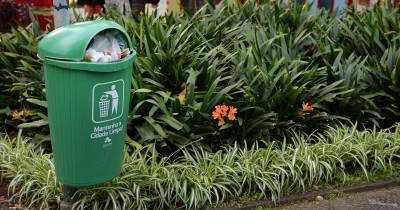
point(92, 9)
point(349, 2)
point(44, 20)
point(42, 10)
point(39, 3)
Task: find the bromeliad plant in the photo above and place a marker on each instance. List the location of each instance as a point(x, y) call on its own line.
point(183, 72)
point(266, 60)
point(21, 83)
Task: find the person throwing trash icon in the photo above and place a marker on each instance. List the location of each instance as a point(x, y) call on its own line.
point(113, 93)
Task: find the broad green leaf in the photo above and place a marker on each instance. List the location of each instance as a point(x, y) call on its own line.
point(171, 121)
point(156, 126)
point(34, 124)
point(37, 102)
point(6, 110)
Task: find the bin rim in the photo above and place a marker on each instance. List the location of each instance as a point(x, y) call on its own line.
point(70, 42)
point(92, 66)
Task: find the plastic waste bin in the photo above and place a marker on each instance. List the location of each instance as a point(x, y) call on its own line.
point(87, 104)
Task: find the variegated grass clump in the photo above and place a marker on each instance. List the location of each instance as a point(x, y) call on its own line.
point(199, 179)
point(31, 172)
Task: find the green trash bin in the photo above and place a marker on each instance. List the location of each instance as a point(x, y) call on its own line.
point(87, 104)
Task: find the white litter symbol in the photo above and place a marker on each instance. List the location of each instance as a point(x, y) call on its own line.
point(108, 140)
point(104, 105)
point(114, 94)
point(107, 101)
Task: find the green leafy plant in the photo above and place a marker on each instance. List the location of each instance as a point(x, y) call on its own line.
point(265, 59)
point(199, 178)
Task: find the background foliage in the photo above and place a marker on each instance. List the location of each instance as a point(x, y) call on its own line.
point(264, 59)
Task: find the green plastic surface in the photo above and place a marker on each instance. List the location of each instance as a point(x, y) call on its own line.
point(88, 105)
point(70, 42)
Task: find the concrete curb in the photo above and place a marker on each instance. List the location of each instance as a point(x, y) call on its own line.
point(312, 195)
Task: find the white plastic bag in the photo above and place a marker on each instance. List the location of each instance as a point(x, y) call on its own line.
point(115, 50)
point(107, 47)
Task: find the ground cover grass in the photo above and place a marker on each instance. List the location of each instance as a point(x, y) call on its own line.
point(342, 180)
point(200, 179)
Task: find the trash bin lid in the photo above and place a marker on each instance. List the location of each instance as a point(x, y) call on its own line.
point(69, 43)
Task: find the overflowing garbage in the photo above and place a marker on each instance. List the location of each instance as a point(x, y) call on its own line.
point(107, 46)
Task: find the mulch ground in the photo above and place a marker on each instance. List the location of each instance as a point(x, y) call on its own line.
point(6, 203)
point(382, 199)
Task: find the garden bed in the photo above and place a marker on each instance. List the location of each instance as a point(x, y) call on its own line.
point(6, 201)
point(201, 179)
point(315, 195)
point(278, 68)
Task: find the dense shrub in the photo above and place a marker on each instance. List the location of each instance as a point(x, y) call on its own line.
point(280, 68)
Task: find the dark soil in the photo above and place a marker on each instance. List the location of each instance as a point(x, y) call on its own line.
point(383, 199)
point(6, 203)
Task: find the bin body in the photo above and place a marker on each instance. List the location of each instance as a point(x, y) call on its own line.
point(88, 105)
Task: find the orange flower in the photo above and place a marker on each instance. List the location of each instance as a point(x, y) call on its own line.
point(217, 113)
point(221, 112)
point(15, 115)
point(232, 112)
point(221, 122)
point(25, 112)
point(182, 96)
point(224, 111)
point(307, 107)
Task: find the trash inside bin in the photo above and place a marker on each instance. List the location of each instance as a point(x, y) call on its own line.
point(88, 102)
point(106, 47)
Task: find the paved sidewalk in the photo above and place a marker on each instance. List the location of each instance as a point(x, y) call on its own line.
point(383, 199)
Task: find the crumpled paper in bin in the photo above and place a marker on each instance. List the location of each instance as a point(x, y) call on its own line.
point(107, 47)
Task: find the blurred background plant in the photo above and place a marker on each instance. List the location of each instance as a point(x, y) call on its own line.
point(12, 13)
